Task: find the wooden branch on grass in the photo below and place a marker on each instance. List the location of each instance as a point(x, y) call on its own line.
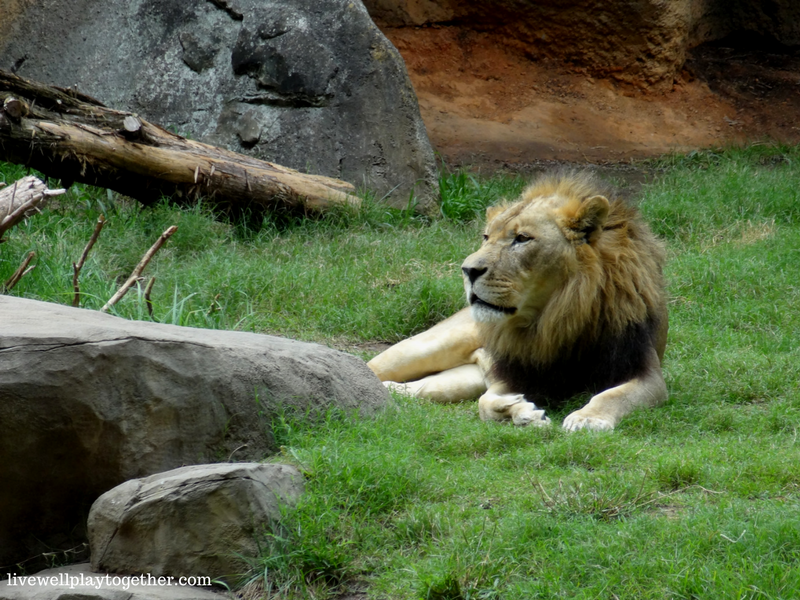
point(137, 272)
point(23, 270)
point(76, 267)
point(147, 291)
point(73, 137)
point(20, 200)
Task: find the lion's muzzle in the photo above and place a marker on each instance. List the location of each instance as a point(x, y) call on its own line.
point(472, 273)
point(473, 269)
point(475, 300)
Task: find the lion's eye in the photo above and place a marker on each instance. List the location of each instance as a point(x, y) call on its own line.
point(485, 237)
point(522, 238)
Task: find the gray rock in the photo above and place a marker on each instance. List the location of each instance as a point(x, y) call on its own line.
point(201, 520)
point(79, 582)
point(88, 401)
point(310, 84)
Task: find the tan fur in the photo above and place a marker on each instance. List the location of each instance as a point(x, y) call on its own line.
point(559, 267)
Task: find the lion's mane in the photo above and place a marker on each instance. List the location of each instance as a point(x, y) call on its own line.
point(596, 330)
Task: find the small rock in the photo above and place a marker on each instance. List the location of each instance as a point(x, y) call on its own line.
point(202, 520)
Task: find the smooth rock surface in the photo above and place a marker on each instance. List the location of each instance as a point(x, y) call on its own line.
point(88, 401)
point(192, 521)
point(79, 582)
point(310, 84)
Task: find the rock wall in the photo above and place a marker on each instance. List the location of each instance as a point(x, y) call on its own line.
point(310, 84)
point(712, 20)
point(639, 42)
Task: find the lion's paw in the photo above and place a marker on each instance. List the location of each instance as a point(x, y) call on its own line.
point(577, 421)
point(531, 416)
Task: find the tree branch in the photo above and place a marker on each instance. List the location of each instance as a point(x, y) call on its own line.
point(19, 273)
point(76, 267)
point(137, 272)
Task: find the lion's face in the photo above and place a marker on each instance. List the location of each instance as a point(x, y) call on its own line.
point(529, 251)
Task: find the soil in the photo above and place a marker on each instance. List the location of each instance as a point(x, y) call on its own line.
point(488, 104)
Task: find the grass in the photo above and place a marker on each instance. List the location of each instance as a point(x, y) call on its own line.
point(309, 279)
point(697, 499)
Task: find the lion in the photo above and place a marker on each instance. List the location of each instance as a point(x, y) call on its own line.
point(566, 296)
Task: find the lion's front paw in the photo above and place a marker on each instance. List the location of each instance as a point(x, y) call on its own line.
point(576, 421)
point(497, 407)
point(530, 415)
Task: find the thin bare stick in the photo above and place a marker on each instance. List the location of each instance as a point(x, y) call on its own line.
point(14, 195)
point(147, 290)
point(19, 273)
point(139, 268)
point(76, 267)
point(230, 456)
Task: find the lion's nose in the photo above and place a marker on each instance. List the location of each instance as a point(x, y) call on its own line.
point(472, 273)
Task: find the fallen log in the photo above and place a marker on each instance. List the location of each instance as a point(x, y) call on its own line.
point(73, 137)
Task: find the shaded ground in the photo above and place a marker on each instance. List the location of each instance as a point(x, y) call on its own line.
point(485, 103)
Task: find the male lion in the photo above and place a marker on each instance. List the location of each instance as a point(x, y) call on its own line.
point(566, 296)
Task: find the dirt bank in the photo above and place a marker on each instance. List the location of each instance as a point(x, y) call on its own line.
point(486, 103)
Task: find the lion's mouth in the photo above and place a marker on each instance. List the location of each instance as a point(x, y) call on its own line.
point(509, 310)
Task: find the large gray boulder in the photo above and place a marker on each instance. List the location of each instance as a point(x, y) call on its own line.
point(310, 84)
point(88, 401)
point(193, 521)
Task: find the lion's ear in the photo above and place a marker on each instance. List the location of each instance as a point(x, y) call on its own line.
point(590, 218)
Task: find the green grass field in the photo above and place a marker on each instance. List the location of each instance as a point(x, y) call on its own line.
point(697, 499)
